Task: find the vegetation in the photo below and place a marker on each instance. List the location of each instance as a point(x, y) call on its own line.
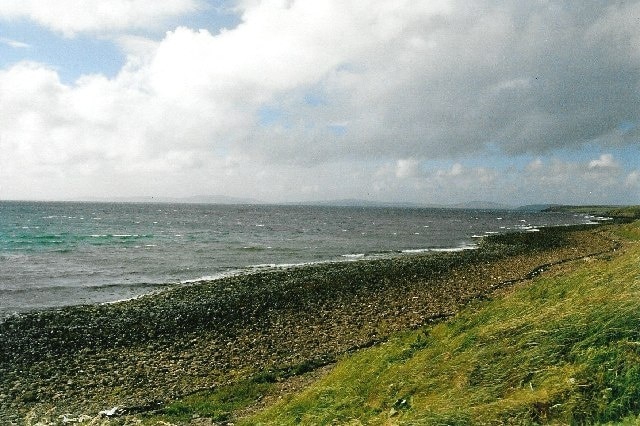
point(565, 349)
point(560, 348)
point(216, 405)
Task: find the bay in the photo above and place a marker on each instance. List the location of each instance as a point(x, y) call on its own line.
point(68, 253)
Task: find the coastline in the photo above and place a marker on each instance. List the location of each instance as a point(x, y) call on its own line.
point(145, 352)
point(53, 259)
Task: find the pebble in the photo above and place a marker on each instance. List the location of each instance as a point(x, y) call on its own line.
point(140, 354)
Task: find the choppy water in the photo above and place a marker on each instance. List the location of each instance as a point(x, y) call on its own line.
point(57, 254)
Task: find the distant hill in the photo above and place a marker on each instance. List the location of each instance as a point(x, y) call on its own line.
point(197, 199)
point(482, 205)
point(355, 203)
point(471, 205)
point(347, 202)
point(536, 207)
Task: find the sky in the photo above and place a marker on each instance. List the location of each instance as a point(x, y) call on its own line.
point(420, 101)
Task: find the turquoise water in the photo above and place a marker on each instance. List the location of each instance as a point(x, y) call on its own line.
point(58, 254)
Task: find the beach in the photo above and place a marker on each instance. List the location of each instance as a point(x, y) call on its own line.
point(141, 354)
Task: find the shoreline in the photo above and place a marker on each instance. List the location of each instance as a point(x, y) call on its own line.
point(151, 350)
point(249, 270)
point(49, 280)
point(159, 287)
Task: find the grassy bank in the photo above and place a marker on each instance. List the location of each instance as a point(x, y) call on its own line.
point(222, 351)
point(564, 348)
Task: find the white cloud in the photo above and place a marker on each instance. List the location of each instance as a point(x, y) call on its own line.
point(512, 84)
point(456, 170)
point(70, 17)
point(14, 43)
point(536, 164)
point(407, 167)
point(605, 161)
point(570, 182)
point(633, 180)
point(552, 181)
point(394, 83)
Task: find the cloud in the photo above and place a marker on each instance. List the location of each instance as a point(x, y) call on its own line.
point(535, 165)
point(407, 167)
point(605, 161)
point(451, 83)
point(372, 91)
point(14, 43)
point(70, 17)
point(633, 180)
point(602, 179)
point(548, 181)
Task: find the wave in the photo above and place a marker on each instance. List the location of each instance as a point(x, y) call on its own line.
point(254, 248)
point(354, 256)
point(441, 249)
point(345, 258)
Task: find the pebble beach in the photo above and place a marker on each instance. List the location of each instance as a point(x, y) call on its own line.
point(137, 356)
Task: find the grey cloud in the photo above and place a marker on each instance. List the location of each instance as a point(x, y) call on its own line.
point(527, 78)
point(353, 105)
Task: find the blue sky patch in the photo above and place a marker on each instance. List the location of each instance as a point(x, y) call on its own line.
point(71, 57)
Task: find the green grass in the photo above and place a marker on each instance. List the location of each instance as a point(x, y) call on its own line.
point(222, 403)
point(217, 404)
point(562, 349)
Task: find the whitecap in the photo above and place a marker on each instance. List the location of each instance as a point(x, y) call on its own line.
point(353, 256)
point(455, 249)
point(411, 251)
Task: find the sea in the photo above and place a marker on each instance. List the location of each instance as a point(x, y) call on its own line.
point(55, 254)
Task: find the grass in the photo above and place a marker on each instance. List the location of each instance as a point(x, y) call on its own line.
point(217, 405)
point(222, 403)
point(563, 349)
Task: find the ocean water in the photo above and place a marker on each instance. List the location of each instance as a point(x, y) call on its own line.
point(59, 254)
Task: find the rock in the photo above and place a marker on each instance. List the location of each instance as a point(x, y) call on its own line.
point(173, 343)
point(112, 412)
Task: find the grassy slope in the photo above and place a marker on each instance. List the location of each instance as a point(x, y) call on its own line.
point(564, 348)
